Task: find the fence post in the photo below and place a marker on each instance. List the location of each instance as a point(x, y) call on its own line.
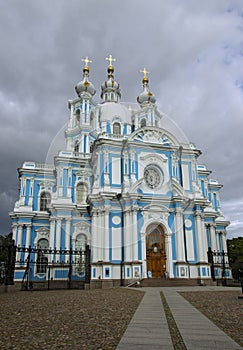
point(87, 265)
point(70, 268)
point(211, 261)
point(223, 268)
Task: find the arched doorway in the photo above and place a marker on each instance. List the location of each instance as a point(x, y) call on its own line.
point(155, 251)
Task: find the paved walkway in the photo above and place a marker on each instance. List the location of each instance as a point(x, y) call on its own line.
point(148, 328)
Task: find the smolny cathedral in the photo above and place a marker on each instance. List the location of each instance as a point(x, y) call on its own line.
point(125, 185)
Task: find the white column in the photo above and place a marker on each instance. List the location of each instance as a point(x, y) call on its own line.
point(58, 237)
point(134, 235)
point(126, 234)
point(69, 187)
point(28, 235)
point(20, 235)
point(60, 182)
point(204, 239)
point(180, 246)
point(217, 241)
point(169, 263)
point(100, 235)
point(28, 239)
point(94, 237)
point(67, 238)
point(224, 241)
point(51, 236)
point(14, 228)
point(144, 266)
point(19, 243)
point(224, 244)
point(199, 236)
point(31, 192)
point(106, 234)
point(67, 234)
point(212, 236)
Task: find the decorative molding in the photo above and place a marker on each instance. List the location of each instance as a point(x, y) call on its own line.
point(150, 134)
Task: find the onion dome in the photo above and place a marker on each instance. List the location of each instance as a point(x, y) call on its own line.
point(85, 86)
point(110, 89)
point(146, 97)
point(111, 110)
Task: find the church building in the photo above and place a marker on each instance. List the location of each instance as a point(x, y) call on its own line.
point(127, 186)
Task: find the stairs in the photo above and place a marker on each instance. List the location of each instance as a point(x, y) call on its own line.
point(172, 282)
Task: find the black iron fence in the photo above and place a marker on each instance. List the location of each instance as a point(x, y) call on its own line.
point(7, 263)
point(38, 268)
point(219, 263)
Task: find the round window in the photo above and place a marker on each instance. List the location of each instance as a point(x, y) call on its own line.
point(153, 176)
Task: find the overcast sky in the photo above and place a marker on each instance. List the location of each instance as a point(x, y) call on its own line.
point(193, 50)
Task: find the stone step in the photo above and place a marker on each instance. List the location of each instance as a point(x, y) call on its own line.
point(173, 282)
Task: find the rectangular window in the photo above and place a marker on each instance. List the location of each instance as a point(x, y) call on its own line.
point(107, 272)
point(128, 272)
point(94, 273)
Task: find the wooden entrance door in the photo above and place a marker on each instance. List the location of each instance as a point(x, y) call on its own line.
point(155, 251)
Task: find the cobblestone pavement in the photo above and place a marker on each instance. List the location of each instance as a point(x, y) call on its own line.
point(94, 319)
point(76, 319)
point(223, 308)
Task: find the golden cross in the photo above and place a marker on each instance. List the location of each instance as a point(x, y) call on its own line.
point(110, 58)
point(86, 60)
point(145, 72)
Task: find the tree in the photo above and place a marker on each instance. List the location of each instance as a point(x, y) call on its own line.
point(235, 252)
point(5, 243)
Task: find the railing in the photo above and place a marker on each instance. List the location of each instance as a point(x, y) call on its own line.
point(45, 268)
point(33, 165)
point(220, 269)
point(111, 136)
point(70, 154)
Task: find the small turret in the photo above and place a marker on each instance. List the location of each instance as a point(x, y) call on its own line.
point(146, 97)
point(110, 89)
point(85, 86)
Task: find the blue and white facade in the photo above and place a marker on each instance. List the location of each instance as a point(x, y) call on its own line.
point(125, 185)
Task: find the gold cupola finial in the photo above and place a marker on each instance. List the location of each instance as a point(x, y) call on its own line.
point(86, 60)
point(145, 78)
point(110, 59)
point(110, 68)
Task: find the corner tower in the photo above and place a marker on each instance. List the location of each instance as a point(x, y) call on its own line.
point(83, 121)
point(148, 115)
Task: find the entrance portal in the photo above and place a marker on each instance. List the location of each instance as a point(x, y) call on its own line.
point(155, 251)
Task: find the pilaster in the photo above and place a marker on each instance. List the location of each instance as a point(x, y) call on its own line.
point(180, 245)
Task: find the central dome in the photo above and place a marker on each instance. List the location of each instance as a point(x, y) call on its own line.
point(111, 110)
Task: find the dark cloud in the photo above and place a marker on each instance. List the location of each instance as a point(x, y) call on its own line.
point(192, 49)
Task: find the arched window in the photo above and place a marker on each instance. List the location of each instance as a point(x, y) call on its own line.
point(92, 120)
point(76, 146)
point(117, 128)
point(80, 256)
point(143, 122)
point(77, 116)
point(42, 256)
point(45, 200)
point(81, 193)
point(81, 241)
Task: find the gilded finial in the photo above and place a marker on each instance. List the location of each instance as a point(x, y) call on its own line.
point(145, 72)
point(86, 60)
point(110, 59)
